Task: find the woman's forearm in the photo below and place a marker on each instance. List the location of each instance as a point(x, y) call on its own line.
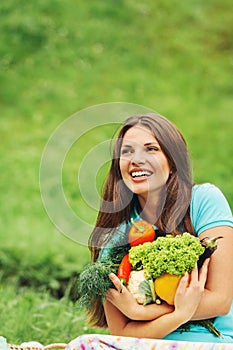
point(212, 305)
point(120, 325)
point(157, 328)
point(150, 312)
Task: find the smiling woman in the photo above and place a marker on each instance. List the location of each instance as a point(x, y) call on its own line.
point(150, 179)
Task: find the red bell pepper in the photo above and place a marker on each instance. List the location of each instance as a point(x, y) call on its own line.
point(124, 270)
point(141, 232)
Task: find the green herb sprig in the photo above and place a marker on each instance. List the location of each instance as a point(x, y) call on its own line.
point(94, 281)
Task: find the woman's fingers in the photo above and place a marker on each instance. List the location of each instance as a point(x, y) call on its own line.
point(191, 287)
point(117, 283)
point(183, 284)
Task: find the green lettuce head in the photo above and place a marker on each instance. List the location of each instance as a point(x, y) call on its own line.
point(171, 254)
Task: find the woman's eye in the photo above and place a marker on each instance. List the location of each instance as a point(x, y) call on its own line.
point(126, 151)
point(152, 149)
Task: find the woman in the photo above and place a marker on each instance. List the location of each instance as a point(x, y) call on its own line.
point(150, 178)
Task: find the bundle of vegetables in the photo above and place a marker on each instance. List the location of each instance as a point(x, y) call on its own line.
point(150, 268)
point(165, 261)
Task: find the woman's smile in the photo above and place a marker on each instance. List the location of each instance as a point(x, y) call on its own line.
point(140, 174)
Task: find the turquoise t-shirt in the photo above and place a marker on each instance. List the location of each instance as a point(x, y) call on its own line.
point(208, 208)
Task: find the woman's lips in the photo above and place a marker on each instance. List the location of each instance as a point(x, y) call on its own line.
point(140, 175)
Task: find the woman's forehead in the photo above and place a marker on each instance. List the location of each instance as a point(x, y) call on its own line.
point(139, 133)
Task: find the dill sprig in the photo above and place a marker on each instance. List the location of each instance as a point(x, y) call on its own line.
point(94, 281)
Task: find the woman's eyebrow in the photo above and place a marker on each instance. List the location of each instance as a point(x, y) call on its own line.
point(154, 143)
point(126, 145)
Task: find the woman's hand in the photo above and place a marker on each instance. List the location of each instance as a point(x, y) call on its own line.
point(190, 291)
point(126, 303)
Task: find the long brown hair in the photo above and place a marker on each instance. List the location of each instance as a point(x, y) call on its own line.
point(118, 201)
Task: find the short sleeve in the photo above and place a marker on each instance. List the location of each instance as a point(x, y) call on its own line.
point(209, 208)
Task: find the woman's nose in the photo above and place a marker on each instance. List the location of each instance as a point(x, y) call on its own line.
point(138, 158)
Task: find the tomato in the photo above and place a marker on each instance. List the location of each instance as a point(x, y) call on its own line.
point(141, 232)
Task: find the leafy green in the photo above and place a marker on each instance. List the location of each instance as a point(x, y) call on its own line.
point(94, 281)
point(172, 254)
point(147, 288)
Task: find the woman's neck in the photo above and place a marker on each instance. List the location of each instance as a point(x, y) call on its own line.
point(151, 208)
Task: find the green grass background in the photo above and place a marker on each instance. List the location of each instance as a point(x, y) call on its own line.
point(59, 57)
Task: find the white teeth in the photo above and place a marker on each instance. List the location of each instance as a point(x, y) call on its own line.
point(140, 173)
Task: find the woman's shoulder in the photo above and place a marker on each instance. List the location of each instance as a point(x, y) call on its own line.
point(204, 188)
point(209, 207)
point(207, 191)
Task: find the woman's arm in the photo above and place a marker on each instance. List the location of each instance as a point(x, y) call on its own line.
point(127, 304)
point(119, 324)
point(218, 294)
point(186, 301)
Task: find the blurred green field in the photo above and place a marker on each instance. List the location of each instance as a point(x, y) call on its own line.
point(59, 57)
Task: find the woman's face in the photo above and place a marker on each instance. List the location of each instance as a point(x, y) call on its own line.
point(143, 165)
